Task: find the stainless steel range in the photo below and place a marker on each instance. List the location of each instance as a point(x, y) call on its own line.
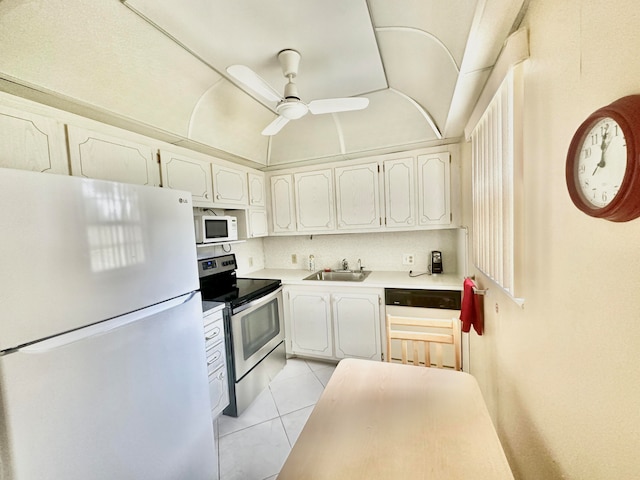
point(254, 327)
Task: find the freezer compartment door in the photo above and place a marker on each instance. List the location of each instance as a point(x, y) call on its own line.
point(77, 251)
point(125, 399)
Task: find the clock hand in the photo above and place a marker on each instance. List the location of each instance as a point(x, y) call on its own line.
point(603, 146)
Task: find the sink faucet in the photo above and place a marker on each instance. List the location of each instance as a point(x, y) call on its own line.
point(360, 267)
point(345, 264)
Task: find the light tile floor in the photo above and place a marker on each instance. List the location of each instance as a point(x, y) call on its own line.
point(255, 445)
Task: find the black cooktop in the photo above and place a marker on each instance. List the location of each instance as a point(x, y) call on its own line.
point(239, 291)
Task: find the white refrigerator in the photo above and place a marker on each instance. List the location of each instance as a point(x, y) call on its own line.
point(102, 358)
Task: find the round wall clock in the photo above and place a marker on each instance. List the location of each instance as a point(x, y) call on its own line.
point(603, 168)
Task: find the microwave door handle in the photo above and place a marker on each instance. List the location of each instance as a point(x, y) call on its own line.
point(104, 326)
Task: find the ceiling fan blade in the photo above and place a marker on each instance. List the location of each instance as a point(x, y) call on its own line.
point(333, 105)
point(275, 126)
point(255, 82)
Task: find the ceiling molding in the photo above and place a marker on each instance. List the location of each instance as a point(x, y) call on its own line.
point(424, 34)
point(340, 132)
point(197, 105)
point(422, 111)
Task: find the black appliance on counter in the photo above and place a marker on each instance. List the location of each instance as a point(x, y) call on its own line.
point(253, 324)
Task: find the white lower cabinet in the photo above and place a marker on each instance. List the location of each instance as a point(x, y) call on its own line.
point(216, 361)
point(329, 322)
point(357, 325)
point(310, 321)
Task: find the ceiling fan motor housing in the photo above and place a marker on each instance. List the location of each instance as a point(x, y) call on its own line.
point(292, 108)
point(289, 61)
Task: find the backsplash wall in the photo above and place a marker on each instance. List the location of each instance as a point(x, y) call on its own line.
point(249, 254)
point(377, 251)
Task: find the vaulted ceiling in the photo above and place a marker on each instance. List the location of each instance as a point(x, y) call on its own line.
point(163, 64)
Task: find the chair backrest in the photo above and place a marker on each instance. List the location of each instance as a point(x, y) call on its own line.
point(424, 331)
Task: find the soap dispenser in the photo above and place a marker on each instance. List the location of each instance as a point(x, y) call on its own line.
point(312, 263)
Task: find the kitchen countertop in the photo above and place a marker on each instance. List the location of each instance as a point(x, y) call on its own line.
point(377, 279)
point(210, 307)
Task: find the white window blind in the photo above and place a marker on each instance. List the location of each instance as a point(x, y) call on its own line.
point(495, 146)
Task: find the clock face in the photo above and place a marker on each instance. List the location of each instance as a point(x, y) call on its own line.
point(601, 163)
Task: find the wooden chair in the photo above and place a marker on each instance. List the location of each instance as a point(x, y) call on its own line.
point(450, 335)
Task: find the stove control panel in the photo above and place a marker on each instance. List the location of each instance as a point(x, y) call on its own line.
point(215, 265)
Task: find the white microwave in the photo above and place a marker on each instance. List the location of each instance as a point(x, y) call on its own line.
point(215, 229)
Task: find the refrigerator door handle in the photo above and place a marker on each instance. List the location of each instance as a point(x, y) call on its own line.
point(104, 326)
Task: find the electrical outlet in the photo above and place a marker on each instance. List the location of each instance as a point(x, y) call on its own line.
point(407, 259)
point(294, 258)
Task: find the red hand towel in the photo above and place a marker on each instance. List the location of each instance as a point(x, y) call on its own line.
point(472, 312)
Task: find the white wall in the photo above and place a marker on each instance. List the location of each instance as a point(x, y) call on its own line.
point(249, 254)
point(562, 375)
point(378, 251)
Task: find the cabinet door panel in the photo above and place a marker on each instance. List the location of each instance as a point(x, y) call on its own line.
point(256, 189)
point(282, 204)
point(258, 223)
point(311, 323)
point(95, 155)
point(399, 187)
point(218, 391)
point(357, 325)
point(189, 174)
point(433, 187)
point(32, 142)
point(357, 197)
point(229, 186)
point(314, 200)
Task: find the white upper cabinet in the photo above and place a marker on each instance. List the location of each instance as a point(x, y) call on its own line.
point(258, 225)
point(96, 155)
point(252, 223)
point(32, 142)
point(434, 197)
point(229, 186)
point(283, 212)
point(314, 201)
point(189, 174)
point(399, 189)
point(256, 189)
point(357, 197)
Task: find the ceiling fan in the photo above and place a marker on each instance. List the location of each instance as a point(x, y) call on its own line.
point(289, 106)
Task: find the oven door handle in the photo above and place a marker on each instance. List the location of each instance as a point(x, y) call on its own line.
point(257, 302)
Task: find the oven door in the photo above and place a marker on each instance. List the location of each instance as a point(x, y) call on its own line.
point(256, 329)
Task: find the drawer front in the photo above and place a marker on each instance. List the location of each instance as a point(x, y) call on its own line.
point(212, 317)
point(215, 357)
point(214, 333)
point(218, 391)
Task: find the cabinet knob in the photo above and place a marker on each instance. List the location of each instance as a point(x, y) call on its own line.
point(206, 195)
point(218, 196)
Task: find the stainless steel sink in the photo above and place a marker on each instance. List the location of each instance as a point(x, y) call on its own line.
point(339, 276)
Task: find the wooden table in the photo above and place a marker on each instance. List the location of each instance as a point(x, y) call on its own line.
point(389, 421)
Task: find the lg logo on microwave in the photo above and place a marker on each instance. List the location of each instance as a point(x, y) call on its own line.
point(183, 200)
